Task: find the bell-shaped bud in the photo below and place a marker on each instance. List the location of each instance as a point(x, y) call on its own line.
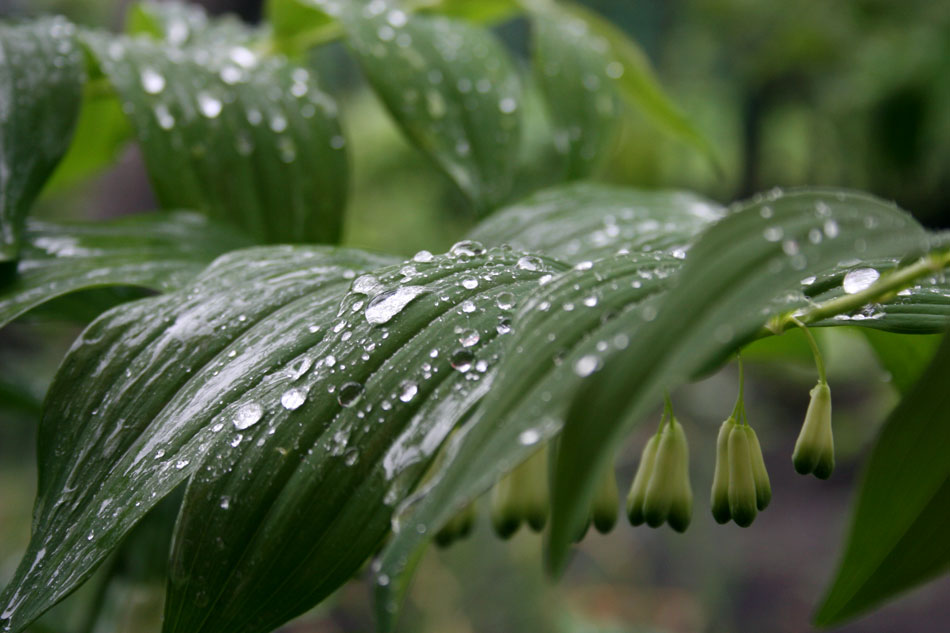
point(603, 509)
point(638, 489)
point(742, 497)
point(719, 498)
point(668, 494)
point(763, 487)
point(532, 482)
point(458, 527)
point(815, 448)
point(505, 506)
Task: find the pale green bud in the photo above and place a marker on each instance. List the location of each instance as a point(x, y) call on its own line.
point(815, 447)
point(532, 482)
point(505, 510)
point(742, 497)
point(638, 489)
point(669, 482)
point(763, 488)
point(719, 498)
point(681, 508)
point(606, 499)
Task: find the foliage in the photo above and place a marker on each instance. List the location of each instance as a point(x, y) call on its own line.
point(321, 406)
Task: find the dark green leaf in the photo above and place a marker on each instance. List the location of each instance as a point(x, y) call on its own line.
point(41, 77)
point(904, 357)
point(899, 530)
point(586, 221)
point(735, 277)
point(156, 251)
point(638, 84)
point(298, 25)
point(248, 140)
point(574, 68)
point(453, 89)
point(130, 413)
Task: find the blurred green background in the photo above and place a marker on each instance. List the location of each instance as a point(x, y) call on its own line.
point(847, 93)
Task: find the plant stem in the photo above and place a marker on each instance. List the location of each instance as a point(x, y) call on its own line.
point(814, 350)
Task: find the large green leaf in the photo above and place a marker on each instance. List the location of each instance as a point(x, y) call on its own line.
point(246, 139)
point(903, 357)
point(586, 221)
point(727, 289)
point(129, 415)
point(576, 72)
point(451, 86)
point(158, 251)
point(899, 530)
point(41, 77)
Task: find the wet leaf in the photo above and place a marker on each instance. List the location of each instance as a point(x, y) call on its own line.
point(898, 535)
point(450, 86)
point(41, 76)
point(248, 140)
point(158, 251)
point(903, 357)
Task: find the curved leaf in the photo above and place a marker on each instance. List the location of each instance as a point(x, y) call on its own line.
point(41, 76)
point(452, 87)
point(247, 140)
point(574, 69)
point(159, 251)
point(127, 416)
point(898, 535)
point(586, 221)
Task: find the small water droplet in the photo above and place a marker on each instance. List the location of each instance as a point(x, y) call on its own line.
point(529, 437)
point(423, 257)
point(467, 248)
point(408, 391)
point(152, 81)
point(859, 279)
point(468, 338)
point(462, 359)
point(773, 233)
point(468, 306)
point(208, 105)
point(293, 399)
point(586, 365)
point(505, 300)
point(470, 283)
point(349, 393)
point(529, 262)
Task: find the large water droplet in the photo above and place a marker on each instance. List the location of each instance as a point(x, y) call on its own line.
point(385, 306)
point(468, 338)
point(293, 399)
point(859, 279)
point(466, 248)
point(529, 262)
point(462, 359)
point(408, 391)
point(248, 415)
point(349, 393)
point(423, 257)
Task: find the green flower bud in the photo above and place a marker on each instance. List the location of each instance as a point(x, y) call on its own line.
point(638, 489)
point(669, 482)
point(815, 448)
point(532, 482)
point(505, 510)
point(681, 509)
point(763, 488)
point(606, 499)
point(719, 499)
point(742, 497)
point(458, 527)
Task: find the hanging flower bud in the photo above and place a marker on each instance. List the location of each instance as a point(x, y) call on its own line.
point(638, 489)
point(606, 499)
point(815, 447)
point(742, 497)
point(763, 488)
point(719, 499)
point(532, 481)
point(505, 507)
point(459, 527)
point(668, 495)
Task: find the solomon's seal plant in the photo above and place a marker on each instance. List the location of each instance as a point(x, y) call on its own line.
point(288, 397)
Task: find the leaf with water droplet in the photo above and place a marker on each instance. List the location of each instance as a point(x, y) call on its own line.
point(41, 77)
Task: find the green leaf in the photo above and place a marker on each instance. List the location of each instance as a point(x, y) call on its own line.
point(159, 251)
point(574, 69)
point(639, 86)
point(298, 25)
point(180, 24)
point(587, 221)
point(134, 406)
point(450, 86)
point(904, 357)
point(737, 275)
point(898, 535)
point(479, 11)
point(41, 77)
point(247, 140)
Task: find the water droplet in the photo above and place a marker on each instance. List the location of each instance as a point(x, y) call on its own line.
point(470, 283)
point(208, 105)
point(408, 391)
point(586, 365)
point(225, 503)
point(293, 399)
point(831, 229)
point(859, 279)
point(773, 233)
point(468, 338)
point(152, 81)
point(505, 300)
point(386, 305)
point(584, 265)
point(507, 105)
point(504, 326)
point(247, 415)
point(181, 463)
point(590, 302)
point(462, 359)
point(529, 437)
point(351, 456)
point(530, 262)
point(468, 306)
point(423, 257)
point(349, 393)
point(467, 248)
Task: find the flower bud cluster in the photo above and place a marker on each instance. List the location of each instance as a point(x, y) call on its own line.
point(741, 485)
point(661, 491)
